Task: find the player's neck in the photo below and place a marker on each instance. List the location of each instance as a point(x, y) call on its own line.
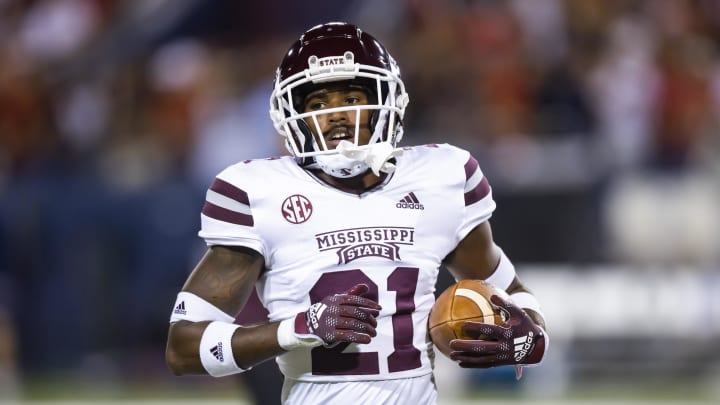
point(358, 184)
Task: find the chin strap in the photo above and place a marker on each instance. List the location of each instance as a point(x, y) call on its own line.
point(376, 155)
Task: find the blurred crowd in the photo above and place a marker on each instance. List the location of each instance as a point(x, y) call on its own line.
point(595, 121)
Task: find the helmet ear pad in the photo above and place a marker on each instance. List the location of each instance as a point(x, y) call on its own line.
point(375, 117)
point(307, 143)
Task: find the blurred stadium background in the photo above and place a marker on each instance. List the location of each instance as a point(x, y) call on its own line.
point(595, 121)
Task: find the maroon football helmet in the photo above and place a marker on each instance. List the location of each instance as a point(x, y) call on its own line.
point(335, 52)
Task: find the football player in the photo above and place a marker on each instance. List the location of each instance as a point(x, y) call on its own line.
point(343, 242)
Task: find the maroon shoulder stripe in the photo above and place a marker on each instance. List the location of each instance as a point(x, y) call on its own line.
point(470, 166)
point(481, 189)
point(478, 193)
point(230, 191)
point(222, 214)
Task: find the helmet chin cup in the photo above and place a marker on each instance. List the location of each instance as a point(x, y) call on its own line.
point(351, 160)
point(337, 165)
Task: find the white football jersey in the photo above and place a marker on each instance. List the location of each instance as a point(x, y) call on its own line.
point(318, 240)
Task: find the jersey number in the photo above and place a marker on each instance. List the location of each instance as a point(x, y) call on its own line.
point(332, 361)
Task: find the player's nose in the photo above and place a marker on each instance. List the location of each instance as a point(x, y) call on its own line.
point(337, 116)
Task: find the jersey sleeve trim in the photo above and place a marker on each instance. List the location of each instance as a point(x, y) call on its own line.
point(479, 203)
point(224, 240)
point(223, 187)
point(227, 203)
point(477, 186)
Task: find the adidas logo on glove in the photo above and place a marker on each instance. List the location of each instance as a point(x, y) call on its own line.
point(314, 313)
point(523, 345)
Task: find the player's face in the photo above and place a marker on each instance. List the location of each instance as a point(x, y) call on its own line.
point(338, 126)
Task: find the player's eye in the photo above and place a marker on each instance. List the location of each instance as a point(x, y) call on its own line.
point(314, 105)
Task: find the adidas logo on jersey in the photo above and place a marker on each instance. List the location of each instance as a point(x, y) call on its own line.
point(217, 352)
point(523, 345)
point(180, 309)
point(410, 201)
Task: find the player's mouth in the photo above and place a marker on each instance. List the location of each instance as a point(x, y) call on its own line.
point(337, 134)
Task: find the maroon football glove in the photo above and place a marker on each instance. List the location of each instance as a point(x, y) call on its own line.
point(518, 341)
point(345, 317)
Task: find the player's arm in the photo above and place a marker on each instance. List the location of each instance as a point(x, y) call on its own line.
point(478, 257)
point(204, 340)
point(217, 289)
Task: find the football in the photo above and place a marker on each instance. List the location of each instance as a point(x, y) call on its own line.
point(466, 300)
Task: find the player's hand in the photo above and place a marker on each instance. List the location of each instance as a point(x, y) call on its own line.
point(519, 341)
point(346, 317)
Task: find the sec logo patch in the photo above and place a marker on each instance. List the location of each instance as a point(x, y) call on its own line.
point(297, 209)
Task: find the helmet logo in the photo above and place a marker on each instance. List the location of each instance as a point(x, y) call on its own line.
point(344, 62)
point(332, 60)
point(296, 209)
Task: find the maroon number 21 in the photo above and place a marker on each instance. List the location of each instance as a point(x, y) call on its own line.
point(332, 361)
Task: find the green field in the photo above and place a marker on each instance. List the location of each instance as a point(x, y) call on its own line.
point(200, 390)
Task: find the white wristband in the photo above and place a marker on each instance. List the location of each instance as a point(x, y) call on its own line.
point(216, 352)
point(288, 340)
point(526, 300)
point(504, 273)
